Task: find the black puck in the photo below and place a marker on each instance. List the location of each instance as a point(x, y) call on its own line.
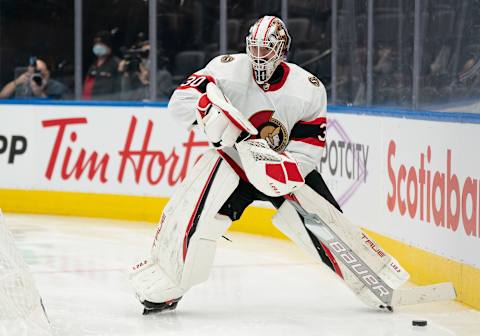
point(419, 323)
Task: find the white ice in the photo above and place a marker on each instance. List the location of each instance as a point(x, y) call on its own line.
point(258, 286)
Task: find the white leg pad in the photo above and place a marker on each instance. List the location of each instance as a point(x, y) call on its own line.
point(201, 251)
point(356, 242)
point(185, 242)
point(287, 220)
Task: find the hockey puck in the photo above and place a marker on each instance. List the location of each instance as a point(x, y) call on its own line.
point(419, 323)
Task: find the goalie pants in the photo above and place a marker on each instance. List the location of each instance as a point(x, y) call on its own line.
point(246, 193)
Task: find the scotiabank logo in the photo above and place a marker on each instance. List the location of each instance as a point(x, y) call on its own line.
point(437, 196)
point(144, 163)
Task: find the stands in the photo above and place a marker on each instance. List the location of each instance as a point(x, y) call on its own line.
point(188, 36)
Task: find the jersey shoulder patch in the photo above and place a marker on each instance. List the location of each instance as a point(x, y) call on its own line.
point(231, 68)
point(226, 58)
point(314, 81)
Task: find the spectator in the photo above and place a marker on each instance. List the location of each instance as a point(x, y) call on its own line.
point(34, 83)
point(135, 69)
point(102, 81)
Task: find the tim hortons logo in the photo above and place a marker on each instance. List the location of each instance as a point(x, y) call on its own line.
point(144, 163)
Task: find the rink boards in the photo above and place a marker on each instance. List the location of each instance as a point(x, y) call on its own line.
point(411, 180)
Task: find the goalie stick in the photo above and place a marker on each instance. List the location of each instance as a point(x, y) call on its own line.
point(388, 296)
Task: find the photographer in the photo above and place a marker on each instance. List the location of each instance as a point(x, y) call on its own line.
point(135, 69)
point(34, 83)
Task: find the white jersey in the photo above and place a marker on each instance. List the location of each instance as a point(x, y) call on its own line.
point(289, 114)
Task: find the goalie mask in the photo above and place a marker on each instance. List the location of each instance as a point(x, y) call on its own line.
point(267, 44)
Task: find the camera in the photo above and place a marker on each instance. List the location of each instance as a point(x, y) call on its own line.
point(133, 59)
point(37, 75)
point(136, 54)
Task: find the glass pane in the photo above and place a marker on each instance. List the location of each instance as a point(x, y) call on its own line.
point(309, 24)
point(115, 50)
point(352, 52)
point(242, 15)
point(35, 60)
point(450, 76)
point(187, 39)
point(393, 28)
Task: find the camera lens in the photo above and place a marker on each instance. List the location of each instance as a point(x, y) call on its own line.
point(37, 78)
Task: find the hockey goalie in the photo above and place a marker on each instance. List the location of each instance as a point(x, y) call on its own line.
point(266, 121)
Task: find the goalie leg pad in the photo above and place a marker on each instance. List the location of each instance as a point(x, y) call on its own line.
point(289, 222)
point(357, 241)
point(185, 241)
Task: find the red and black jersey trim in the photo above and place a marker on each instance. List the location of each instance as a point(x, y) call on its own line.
point(196, 81)
point(197, 212)
point(312, 132)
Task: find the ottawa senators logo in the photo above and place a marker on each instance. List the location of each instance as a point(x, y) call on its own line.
point(271, 130)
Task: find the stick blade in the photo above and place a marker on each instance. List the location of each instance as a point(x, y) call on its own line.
point(424, 294)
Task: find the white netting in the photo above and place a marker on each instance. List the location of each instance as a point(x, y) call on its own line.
point(260, 151)
point(21, 309)
point(265, 157)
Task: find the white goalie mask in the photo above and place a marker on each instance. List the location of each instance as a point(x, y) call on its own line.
point(267, 44)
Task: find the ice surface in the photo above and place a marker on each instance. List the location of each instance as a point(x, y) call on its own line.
point(258, 286)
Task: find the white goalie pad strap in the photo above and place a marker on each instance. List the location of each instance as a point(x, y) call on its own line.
point(186, 237)
point(368, 270)
point(272, 173)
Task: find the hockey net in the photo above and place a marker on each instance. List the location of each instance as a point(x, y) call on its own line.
point(21, 308)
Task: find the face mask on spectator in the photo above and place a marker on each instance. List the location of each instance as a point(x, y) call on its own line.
point(99, 49)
